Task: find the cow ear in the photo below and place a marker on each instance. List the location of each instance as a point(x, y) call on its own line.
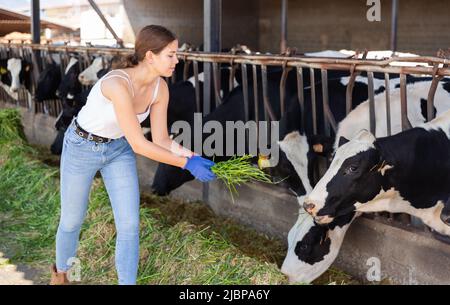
point(321, 145)
point(342, 141)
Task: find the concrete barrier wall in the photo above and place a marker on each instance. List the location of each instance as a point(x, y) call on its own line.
point(405, 255)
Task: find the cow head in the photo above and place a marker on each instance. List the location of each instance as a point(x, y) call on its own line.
point(20, 71)
point(293, 163)
point(70, 86)
point(89, 76)
point(312, 247)
point(355, 176)
point(298, 157)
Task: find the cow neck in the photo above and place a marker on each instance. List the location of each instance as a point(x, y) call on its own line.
point(420, 167)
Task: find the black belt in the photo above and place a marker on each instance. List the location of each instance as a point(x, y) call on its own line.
point(89, 136)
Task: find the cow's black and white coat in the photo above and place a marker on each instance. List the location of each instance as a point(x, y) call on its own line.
point(405, 173)
point(16, 73)
point(301, 157)
point(312, 247)
point(305, 268)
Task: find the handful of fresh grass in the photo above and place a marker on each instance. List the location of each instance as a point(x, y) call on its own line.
point(238, 170)
point(11, 125)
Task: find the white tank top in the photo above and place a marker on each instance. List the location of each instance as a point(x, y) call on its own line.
point(98, 116)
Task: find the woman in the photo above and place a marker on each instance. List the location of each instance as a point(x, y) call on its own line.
point(105, 137)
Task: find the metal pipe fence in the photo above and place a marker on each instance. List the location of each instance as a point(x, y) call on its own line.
point(250, 65)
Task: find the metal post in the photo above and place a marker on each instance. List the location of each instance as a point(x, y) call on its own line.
point(36, 35)
point(108, 26)
point(283, 41)
point(394, 23)
point(212, 41)
point(212, 22)
point(35, 22)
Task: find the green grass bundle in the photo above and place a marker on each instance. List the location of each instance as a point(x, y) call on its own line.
point(11, 128)
point(237, 171)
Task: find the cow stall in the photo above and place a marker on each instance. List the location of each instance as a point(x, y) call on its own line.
point(305, 80)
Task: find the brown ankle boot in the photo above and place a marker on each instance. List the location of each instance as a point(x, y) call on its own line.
point(58, 278)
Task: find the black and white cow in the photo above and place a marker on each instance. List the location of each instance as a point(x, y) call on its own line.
point(312, 247)
point(305, 155)
point(72, 98)
point(168, 178)
point(405, 173)
point(70, 86)
point(301, 180)
point(301, 268)
point(48, 82)
point(16, 73)
point(98, 68)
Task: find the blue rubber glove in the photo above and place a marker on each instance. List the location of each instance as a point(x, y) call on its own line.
point(200, 168)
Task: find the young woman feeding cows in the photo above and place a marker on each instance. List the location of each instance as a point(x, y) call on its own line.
point(106, 136)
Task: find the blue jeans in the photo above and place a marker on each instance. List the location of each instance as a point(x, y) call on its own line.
point(116, 161)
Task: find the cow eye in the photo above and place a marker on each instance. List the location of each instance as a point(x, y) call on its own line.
point(351, 169)
point(304, 247)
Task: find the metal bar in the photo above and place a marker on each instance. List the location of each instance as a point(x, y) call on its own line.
point(106, 23)
point(283, 89)
point(255, 96)
point(349, 90)
point(197, 86)
point(394, 23)
point(283, 41)
point(232, 73)
point(269, 113)
point(326, 123)
point(404, 104)
point(206, 88)
point(373, 126)
point(329, 119)
point(313, 100)
point(245, 91)
point(35, 21)
point(216, 79)
point(245, 94)
point(186, 69)
point(328, 63)
point(212, 21)
point(431, 93)
point(301, 97)
point(36, 34)
point(388, 103)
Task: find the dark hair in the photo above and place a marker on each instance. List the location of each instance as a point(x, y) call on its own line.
point(150, 38)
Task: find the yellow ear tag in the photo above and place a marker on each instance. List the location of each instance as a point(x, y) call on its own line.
point(318, 148)
point(263, 161)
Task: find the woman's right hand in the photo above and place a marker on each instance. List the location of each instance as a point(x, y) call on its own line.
point(200, 168)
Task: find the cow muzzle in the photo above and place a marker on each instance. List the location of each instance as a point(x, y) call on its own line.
point(311, 207)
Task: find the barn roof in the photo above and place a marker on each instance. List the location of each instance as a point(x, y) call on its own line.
point(14, 22)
